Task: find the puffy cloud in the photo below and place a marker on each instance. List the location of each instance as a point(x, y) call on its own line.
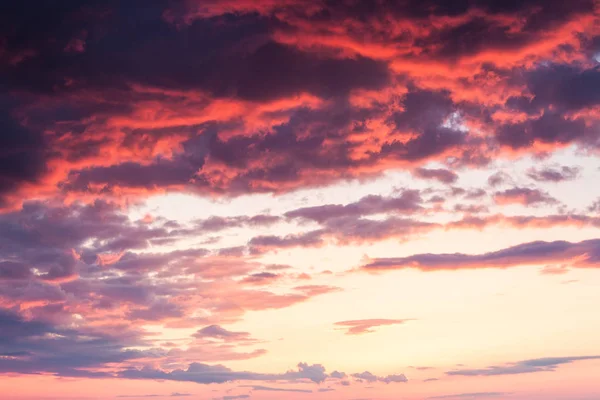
point(369, 377)
point(337, 375)
point(203, 373)
point(549, 174)
point(440, 174)
point(499, 178)
point(523, 196)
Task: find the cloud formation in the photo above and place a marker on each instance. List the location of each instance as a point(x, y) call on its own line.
point(293, 103)
point(105, 105)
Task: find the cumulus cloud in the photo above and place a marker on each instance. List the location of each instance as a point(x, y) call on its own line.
point(441, 175)
point(369, 377)
point(550, 174)
point(523, 196)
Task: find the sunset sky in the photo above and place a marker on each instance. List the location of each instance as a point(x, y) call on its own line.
point(300, 199)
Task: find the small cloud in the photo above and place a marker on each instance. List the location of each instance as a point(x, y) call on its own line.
point(555, 270)
point(360, 326)
point(480, 395)
point(274, 389)
point(369, 377)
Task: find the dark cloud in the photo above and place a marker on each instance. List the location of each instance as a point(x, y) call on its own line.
point(564, 86)
point(235, 58)
point(106, 77)
point(549, 128)
point(23, 153)
point(424, 114)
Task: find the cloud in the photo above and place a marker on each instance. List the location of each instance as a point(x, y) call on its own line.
point(441, 175)
point(548, 364)
point(499, 178)
point(549, 128)
point(259, 388)
point(337, 375)
point(369, 377)
point(105, 105)
point(175, 394)
point(278, 97)
point(357, 327)
point(482, 395)
point(217, 332)
point(408, 202)
point(582, 254)
point(24, 153)
point(523, 196)
point(549, 174)
point(38, 346)
point(203, 373)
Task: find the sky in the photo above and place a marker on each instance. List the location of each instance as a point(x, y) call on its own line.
point(300, 199)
